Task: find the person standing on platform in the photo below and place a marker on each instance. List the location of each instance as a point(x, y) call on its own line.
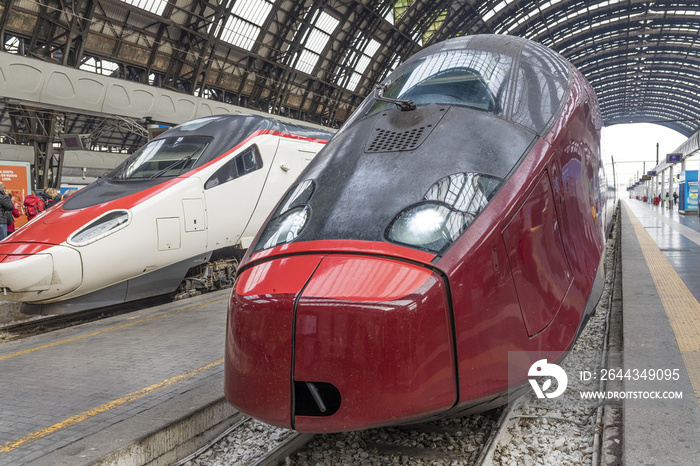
point(11, 219)
point(33, 205)
point(675, 198)
point(5, 208)
point(53, 197)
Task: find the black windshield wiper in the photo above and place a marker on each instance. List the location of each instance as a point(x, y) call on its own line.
point(184, 159)
point(121, 174)
point(403, 105)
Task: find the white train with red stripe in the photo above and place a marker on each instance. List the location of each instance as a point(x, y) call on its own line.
point(169, 219)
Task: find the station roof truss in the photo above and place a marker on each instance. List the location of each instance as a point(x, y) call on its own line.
point(316, 60)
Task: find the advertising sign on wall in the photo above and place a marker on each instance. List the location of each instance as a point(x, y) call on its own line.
point(692, 199)
point(17, 179)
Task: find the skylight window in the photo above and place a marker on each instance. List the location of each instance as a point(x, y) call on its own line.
point(316, 39)
point(12, 45)
point(418, 38)
point(99, 66)
point(360, 59)
point(495, 10)
point(389, 16)
point(154, 6)
point(243, 26)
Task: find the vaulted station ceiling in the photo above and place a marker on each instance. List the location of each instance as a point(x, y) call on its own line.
point(316, 59)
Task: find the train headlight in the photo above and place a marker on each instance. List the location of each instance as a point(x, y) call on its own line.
point(285, 228)
point(446, 211)
point(104, 225)
point(429, 226)
point(289, 219)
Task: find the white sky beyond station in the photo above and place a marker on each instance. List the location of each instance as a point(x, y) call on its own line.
point(634, 143)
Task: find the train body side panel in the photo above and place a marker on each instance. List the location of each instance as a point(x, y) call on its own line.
point(230, 205)
point(142, 241)
point(293, 155)
point(487, 304)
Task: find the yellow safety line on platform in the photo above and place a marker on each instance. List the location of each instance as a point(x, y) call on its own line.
point(682, 308)
point(78, 418)
point(109, 329)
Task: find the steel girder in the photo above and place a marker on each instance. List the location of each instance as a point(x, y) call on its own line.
point(634, 52)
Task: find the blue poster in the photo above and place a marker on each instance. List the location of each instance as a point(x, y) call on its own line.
point(692, 198)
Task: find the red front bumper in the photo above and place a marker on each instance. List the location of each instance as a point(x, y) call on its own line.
point(371, 336)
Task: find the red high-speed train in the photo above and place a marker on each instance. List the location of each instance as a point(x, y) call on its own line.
point(459, 215)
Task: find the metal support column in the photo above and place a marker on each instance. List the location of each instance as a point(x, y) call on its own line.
point(670, 187)
point(662, 195)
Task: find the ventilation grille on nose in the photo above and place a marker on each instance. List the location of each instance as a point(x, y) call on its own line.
point(389, 141)
point(397, 131)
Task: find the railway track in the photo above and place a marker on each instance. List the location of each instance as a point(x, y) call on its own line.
point(521, 433)
point(248, 442)
point(445, 443)
point(460, 441)
point(468, 440)
point(42, 324)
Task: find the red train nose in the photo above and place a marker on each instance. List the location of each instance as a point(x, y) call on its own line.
point(337, 342)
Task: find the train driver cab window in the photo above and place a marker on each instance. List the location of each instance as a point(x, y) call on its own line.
point(242, 164)
point(163, 157)
point(537, 98)
point(469, 78)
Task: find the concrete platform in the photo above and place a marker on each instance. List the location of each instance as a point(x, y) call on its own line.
point(126, 388)
point(661, 325)
point(9, 312)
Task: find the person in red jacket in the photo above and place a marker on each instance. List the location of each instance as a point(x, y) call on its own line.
point(11, 219)
point(33, 205)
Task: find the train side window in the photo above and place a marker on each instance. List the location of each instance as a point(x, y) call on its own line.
point(242, 164)
point(250, 161)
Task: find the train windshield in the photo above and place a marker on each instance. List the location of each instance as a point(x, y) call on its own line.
point(164, 157)
point(470, 78)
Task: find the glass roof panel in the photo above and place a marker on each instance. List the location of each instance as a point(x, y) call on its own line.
point(360, 60)
point(240, 33)
point(371, 48)
point(254, 11)
point(317, 38)
point(307, 61)
point(243, 26)
point(154, 6)
point(99, 66)
point(326, 23)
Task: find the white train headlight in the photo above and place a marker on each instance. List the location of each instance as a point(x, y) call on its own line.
point(289, 218)
point(285, 228)
point(446, 211)
point(104, 225)
point(429, 226)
